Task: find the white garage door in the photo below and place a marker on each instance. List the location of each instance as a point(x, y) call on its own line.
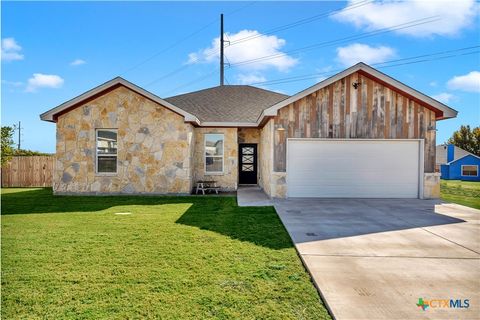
point(353, 168)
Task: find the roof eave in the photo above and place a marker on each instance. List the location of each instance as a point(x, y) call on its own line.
point(467, 155)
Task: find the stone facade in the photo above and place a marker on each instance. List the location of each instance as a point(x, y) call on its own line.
point(248, 135)
point(278, 185)
point(265, 150)
point(155, 147)
point(431, 185)
point(228, 180)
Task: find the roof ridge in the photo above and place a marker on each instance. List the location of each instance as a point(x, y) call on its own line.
point(197, 91)
point(228, 85)
point(263, 89)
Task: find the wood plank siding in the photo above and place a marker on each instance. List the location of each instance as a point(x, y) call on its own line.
point(28, 171)
point(371, 111)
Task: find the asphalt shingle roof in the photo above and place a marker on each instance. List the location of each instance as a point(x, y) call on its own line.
point(228, 103)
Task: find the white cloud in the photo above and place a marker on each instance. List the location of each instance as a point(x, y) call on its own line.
point(77, 62)
point(40, 80)
point(469, 82)
point(433, 84)
point(358, 52)
point(453, 16)
point(11, 50)
point(250, 78)
point(443, 97)
point(258, 46)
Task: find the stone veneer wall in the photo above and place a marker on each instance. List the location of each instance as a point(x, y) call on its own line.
point(431, 185)
point(265, 151)
point(229, 179)
point(278, 184)
point(273, 183)
point(154, 147)
point(249, 135)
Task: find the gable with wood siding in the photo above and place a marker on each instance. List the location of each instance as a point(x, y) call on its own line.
point(372, 110)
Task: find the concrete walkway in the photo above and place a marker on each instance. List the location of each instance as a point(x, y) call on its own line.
point(374, 258)
point(252, 196)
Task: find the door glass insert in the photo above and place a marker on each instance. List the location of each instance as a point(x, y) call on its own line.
point(247, 167)
point(247, 159)
point(247, 150)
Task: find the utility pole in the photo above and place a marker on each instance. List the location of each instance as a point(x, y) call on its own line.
point(221, 51)
point(19, 128)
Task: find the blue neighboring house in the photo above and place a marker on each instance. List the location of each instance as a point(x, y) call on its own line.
point(463, 168)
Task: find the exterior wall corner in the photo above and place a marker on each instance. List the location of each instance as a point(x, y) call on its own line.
point(431, 185)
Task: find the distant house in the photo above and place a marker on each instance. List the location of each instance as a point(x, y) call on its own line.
point(441, 154)
point(463, 166)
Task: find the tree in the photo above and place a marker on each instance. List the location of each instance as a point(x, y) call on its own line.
point(7, 144)
point(467, 139)
point(25, 152)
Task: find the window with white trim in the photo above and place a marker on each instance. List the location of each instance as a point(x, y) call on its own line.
point(214, 153)
point(469, 170)
point(106, 143)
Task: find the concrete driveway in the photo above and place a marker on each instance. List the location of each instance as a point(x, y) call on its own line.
point(374, 258)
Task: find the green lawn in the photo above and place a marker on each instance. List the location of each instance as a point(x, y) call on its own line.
point(171, 258)
point(462, 192)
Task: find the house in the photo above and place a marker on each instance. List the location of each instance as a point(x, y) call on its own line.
point(359, 133)
point(459, 167)
point(441, 154)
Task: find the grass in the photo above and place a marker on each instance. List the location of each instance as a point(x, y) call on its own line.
point(462, 192)
point(171, 258)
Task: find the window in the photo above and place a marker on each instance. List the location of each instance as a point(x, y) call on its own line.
point(106, 151)
point(214, 153)
point(470, 171)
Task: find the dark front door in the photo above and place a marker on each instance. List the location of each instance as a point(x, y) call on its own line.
point(247, 163)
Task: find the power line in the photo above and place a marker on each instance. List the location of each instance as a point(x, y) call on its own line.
point(280, 81)
point(279, 28)
point(175, 44)
point(178, 42)
point(185, 66)
point(303, 21)
point(459, 52)
point(192, 82)
point(248, 4)
point(314, 75)
point(410, 24)
point(310, 47)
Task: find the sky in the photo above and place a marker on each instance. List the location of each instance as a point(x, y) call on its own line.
point(53, 51)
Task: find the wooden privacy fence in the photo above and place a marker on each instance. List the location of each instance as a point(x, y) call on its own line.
point(28, 171)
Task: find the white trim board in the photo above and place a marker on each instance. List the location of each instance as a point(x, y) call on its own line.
point(468, 165)
point(213, 173)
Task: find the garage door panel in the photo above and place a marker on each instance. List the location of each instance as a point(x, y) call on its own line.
point(359, 191)
point(349, 168)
